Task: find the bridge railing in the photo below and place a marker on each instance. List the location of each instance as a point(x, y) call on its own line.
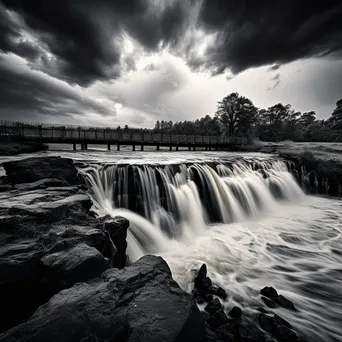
point(55, 133)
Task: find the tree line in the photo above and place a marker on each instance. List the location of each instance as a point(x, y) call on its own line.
point(236, 115)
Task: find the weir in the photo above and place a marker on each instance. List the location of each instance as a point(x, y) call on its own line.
point(177, 202)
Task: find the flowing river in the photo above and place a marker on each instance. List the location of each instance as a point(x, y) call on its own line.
point(244, 216)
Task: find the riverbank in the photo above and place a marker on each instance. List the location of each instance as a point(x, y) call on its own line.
point(9, 147)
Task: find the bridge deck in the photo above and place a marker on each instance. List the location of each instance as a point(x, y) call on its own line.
point(95, 135)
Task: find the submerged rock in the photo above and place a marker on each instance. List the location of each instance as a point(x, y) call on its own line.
point(34, 169)
point(213, 306)
point(269, 292)
point(273, 299)
point(138, 303)
point(285, 303)
point(235, 312)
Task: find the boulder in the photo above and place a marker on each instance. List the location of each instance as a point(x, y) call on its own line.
point(138, 303)
point(54, 210)
point(270, 303)
point(65, 268)
point(285, 303)
point(116, 229)
point(34, 169)
point(22, 246)
point(235, 312)
point(213, 306)
point(202, 282)
point(269, 292)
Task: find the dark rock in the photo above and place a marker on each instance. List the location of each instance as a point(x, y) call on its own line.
point(117, 231)
point(5, 188)
point(281, 321)
point(217, 291)
point(34, 169)
point(211, 335)
point(230, 331)
point(285, 303)
point(221, 293)
point(53, 211)
point(205, 315)
point(277, 327)
point(138, 303)
point(270, 303)
point(218, 318)
point(263, 310)
point(202, 282)
point(235, 312)
point(213, 306)
point(199, 300)
point(283, 334)
point(266, 322)
point(65, 268)
point(269, 292)
point(41, 184)
point(22, 245)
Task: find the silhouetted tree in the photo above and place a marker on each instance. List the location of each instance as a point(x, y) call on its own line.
point(236, 114)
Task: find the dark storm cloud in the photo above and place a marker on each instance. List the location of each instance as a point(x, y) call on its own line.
point(81, 41)
point(31, 91)
point(253, 33)
point(85, 37)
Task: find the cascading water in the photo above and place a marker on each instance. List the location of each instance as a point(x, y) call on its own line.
point(176, 203)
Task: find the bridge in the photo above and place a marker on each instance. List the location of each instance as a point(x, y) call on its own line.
point(45, 133)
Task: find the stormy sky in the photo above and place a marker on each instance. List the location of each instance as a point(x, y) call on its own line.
point(117, 62)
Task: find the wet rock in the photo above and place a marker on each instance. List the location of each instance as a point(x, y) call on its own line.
point(202, 282)
point(205, 315)
point(269, 292)
point(213, 306)
point(217, 291)
point(281, 321)
point(42, 184)
point(230, 331)
point(277, 327)
point(138, 303)
point(235, 312)
point(285, 303)
point(262, 310)
point(53, 211)
point(117, 231)
point(270, 303)
point(217, 319)
point(65, 268)
point(34, 169)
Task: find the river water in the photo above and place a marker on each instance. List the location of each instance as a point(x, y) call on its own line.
point(252, 228)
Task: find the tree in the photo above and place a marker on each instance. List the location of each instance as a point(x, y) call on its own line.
point(307, 118)
point(336, 116)
point(236, 114)
point(157, 125)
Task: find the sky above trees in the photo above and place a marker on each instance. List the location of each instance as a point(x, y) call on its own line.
point(137, 61)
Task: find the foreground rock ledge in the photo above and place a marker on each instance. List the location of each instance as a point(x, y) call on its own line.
point(138, 303)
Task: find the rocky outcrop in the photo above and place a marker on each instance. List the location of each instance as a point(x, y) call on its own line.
point(34, 169)
point(116, 229)
point(139, 303)
point(63, 269)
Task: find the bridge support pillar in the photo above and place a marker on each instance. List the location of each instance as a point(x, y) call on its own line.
point(142, 148)
point(133, 147)
point(176, 148)
point(74, 147)
point(170, 147)
point(194, 148)
point(85, 146)
point(108, 147)
point(158, 147)
point(118, 147)
point(189, 148)
point(82, 146)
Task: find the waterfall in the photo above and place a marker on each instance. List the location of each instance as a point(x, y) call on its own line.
point(171, 203)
